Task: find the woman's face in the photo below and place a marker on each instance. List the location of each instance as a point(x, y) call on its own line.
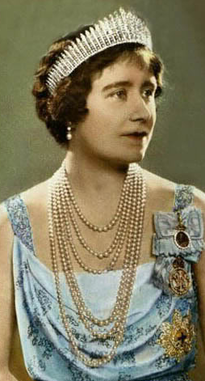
point(121, 117)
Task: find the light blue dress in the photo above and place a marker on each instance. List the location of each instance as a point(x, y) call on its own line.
point(156, 312)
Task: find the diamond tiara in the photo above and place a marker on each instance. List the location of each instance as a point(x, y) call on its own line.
point(118, 28)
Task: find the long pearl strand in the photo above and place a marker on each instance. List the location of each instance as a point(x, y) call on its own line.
point(119, 236)
point(61, 238)
point(99, 229)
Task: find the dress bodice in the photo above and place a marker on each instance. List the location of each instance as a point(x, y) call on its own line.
point(159, 339)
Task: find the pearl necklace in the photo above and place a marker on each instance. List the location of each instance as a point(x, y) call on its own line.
point(91, 226)
point(119, 236)
point(61, 241)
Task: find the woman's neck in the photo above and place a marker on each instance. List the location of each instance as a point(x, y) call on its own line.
point(93, 176)
point(97, 187)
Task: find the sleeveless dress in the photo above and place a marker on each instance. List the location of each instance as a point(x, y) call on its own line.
point(159, 342)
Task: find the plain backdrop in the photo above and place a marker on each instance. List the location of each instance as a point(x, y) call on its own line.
point(29, 155)
point(27, 27)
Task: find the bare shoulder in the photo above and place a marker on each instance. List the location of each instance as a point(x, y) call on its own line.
point(159, 183)
point(5, 226)
point(37, 195)
point(160, 191)
point(199, 199)
point(6, 244)
point(35, 199)
point(163, 190)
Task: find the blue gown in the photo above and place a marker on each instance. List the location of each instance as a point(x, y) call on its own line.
point(159, 342)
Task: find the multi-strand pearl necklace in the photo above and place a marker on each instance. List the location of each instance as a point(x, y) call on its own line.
point(62, 208)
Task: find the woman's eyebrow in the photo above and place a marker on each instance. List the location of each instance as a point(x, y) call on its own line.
point(149, 83)
point(116, 84)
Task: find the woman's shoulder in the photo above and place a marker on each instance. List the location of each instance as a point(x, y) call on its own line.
point(6, 232)
point(4, 221)
point(37, 195)
point(164, 190)
point(160, 191)
point(199, 198)
point(34, 198)
point(158, 183)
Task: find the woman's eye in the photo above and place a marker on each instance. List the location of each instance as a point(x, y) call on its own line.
point(148, 93)
point(120, 94)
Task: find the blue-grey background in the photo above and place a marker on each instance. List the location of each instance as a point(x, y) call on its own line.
point(27, 27)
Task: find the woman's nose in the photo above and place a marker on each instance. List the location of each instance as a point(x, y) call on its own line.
point(140, 110)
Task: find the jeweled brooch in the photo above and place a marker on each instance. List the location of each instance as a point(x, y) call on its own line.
point(179, 279)
point(177, 337)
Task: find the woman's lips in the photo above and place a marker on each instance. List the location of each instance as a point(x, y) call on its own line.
point(136, 135)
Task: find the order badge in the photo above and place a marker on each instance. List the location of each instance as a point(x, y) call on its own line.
point(179, 279)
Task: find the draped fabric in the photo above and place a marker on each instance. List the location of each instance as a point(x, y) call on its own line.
point(154, 317)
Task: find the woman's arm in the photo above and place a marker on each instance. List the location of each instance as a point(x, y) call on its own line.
point(199, 270)
point(7, 311)
point(200, 278)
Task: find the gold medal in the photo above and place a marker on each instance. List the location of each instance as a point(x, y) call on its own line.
point(179, 280)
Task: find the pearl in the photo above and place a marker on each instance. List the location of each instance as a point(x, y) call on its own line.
point(62, 213)
point(83, 218)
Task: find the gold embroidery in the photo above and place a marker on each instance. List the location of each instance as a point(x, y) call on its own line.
point(177, 337)
point(179, 280)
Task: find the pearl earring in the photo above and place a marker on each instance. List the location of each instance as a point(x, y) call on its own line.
point(69, 133)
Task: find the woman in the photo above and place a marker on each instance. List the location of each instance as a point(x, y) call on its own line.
point(101, 292)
